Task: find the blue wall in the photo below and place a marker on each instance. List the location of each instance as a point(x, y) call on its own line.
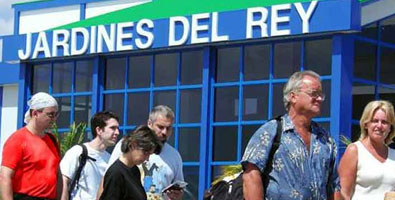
point(9, 73)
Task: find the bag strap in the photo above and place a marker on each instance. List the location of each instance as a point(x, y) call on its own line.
point(82, 161)
point(54, 141)
point(275, 145)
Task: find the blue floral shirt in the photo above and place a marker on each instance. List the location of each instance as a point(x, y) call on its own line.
point(297, 173)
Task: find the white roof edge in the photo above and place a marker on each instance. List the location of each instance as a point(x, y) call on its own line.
point(377, 10)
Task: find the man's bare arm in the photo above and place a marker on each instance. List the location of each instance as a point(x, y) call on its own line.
point(65, 190)
point(336, 196)
point(6, 175)
point(100, 190)
point(252, 183)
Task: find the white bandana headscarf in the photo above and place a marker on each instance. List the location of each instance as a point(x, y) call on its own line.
point(38, 101)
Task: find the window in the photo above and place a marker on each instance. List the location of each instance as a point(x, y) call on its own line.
point(256, 62)
point(226, 110)
point(387, 63)
point(139, 71)
point(287, 57)
point(227, 68)
point(70, 82)
point(166, 68)
point(115, 73)
point(318, 56)
point(40, 79)
point(365, 60)
point(387, 30)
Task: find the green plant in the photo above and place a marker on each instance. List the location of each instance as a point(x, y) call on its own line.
point(228, 171)
point(345, 140)
point(68, 139)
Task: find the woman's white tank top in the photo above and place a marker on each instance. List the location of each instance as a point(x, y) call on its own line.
point(373, 178)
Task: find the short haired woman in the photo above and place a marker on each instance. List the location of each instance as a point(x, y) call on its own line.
point(122, 180)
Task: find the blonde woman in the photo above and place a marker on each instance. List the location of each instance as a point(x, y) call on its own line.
point(367, 167)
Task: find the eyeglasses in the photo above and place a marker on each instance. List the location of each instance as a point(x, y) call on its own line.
point(376, 121)
point(50, 114)
point(315, 94)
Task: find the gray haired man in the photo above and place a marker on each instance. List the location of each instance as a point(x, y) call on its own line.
point(303, 167)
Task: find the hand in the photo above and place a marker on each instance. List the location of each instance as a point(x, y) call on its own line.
point(175, 194)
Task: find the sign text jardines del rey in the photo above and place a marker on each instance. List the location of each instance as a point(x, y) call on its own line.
point(254, 22)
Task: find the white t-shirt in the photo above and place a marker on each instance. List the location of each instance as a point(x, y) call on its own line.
point(159, 171)
point(91, 174)
point(374, 178)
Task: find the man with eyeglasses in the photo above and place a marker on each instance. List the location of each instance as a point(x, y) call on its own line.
point(105, 131)
point(31, 155)
point(304, 165)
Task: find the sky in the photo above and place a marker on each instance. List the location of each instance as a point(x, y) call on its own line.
point(7, 16)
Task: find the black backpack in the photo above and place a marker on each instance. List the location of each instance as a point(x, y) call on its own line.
point(233, 189)
point(226, 190)
point(82, 161)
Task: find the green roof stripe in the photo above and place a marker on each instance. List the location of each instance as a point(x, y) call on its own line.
point(160, 9)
